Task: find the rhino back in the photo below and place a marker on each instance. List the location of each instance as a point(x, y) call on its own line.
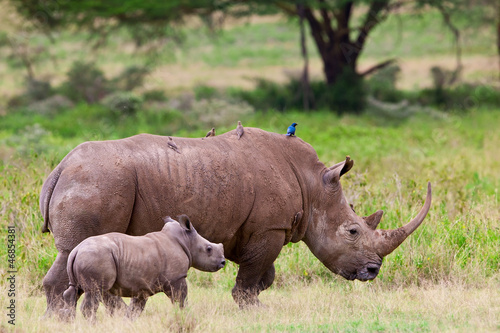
point(232, 188)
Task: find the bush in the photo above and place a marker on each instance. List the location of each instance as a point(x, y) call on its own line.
point(461, 97)
point(205, 92)
point(51, 105)
point(37, 90)
point(348, 95)
point(85, 82)
point(34, 90)
point(154, 95)
point(130, 78)
point(122, 103)
point(382, 85)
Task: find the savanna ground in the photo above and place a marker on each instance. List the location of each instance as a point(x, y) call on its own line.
point(445, 277)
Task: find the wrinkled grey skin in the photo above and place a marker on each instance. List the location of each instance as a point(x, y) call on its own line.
point(253, 195)
point(112, 265)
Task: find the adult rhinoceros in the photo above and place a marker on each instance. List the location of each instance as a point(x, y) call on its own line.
point(263, 189)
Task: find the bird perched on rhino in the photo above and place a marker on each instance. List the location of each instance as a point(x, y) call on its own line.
point(172, 145)
point(291, 130)
point(210, 133)
point(239, 130)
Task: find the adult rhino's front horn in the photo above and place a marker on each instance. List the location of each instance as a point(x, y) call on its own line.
point(389, 240)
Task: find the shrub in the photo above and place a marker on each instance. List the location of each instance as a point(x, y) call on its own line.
point(155, 95)
point(130, 78)
point(122, 103)
point(346, 96)
point(382, 84)
point(51, 105)
point(85, 82)
point(461, 97)
point(205, 92)
point(37, 90)
point(34, 90)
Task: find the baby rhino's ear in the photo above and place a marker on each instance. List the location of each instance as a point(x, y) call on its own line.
point(184, 221)
point(167, 219)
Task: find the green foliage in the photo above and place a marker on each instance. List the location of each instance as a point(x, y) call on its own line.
point(205, 92)
point(155, 95)
point(382, 84)
point(122, 103)
point(130, 78)
point(85, 82)
point(347, 95)
point(461, 97)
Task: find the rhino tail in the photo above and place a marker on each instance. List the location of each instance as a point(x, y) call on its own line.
point(70, 295)
point(46, 194)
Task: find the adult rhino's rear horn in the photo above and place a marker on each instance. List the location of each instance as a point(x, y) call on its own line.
point(389, 240)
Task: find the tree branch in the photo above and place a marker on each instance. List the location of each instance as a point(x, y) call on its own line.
point(378, 67)
point(456, 33)
point(327, 22)
point(316, 30)
point(371, 21)
point(343, 16)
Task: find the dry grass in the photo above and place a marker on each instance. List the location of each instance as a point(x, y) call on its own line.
point(316, 307)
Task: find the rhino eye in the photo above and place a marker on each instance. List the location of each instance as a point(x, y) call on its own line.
point(209, 249)
point(353, 231)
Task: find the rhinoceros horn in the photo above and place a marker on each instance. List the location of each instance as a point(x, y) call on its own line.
point(389, 240)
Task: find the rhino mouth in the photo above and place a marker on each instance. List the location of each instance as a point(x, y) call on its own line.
point(367, 273)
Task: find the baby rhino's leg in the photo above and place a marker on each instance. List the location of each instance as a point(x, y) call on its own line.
point(136, 307)
point(96, 275)
point(177, 291)
point(90, 304)
point(113, 303)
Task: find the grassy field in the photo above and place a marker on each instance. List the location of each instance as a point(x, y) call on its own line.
point(445, 277)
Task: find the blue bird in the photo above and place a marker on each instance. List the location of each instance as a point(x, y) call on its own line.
point(291, 130)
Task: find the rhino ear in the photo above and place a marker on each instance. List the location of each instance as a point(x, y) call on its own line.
point(338, 170)
point(184, 221)
point(167, 219)
point(374, 219)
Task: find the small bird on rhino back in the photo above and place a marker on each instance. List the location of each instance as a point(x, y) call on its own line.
point(291, 130)
point(239, 130)
point(210, 133)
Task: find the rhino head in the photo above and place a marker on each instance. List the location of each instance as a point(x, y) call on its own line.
point(346, 243)
point(204, 255)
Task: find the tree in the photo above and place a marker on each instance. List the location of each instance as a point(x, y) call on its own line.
point(339, 35)
point(339, 43)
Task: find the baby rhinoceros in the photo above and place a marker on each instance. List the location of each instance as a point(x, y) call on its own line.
point(112, 265)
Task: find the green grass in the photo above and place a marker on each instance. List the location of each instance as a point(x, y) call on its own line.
point(456, 247)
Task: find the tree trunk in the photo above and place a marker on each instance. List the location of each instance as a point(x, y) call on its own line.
point(338, 52)
point(336, 61)
point(306, 89)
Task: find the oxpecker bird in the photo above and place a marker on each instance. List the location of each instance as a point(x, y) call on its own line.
point(239, 130)
point(291, 130)
point(172, 144)
point(210, 133)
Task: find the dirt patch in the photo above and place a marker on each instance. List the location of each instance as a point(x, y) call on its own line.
point(415, 73)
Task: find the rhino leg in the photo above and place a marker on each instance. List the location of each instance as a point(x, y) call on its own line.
point(177, 292)
point(90, 304)
point(113, 303)
point(267, 279)
point(136, 307)
point(55, 283)
point(256, 271)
